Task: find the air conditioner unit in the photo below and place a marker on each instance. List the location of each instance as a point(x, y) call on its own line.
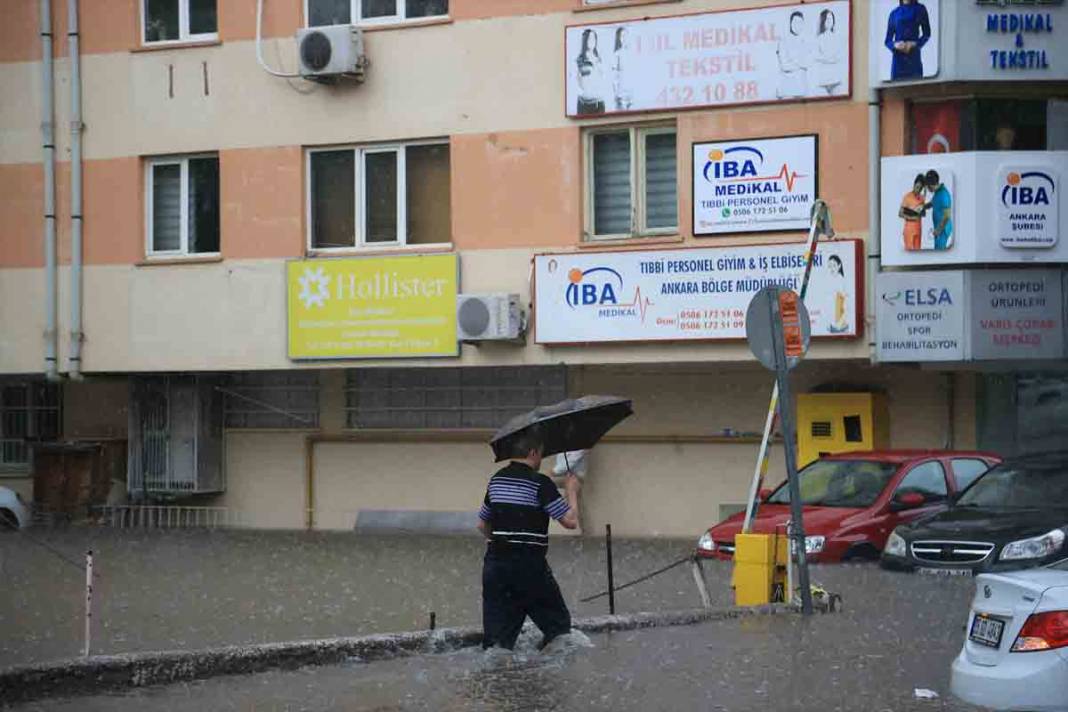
point(489, 317)
point(328, 54)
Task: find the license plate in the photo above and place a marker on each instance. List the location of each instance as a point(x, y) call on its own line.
point(943, 572)
point(986, 630)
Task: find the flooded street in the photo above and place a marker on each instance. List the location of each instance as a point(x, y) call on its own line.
point(199, 589)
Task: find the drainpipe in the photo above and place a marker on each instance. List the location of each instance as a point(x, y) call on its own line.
point(874, 231)
point(76, 335)
point(48, 159)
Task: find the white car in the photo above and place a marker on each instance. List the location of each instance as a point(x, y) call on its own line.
point(14, 514)
point(1015, 655)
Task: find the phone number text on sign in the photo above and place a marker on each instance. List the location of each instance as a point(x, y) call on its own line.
point(668, 295)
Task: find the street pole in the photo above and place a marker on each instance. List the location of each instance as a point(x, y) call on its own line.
point(789, 432)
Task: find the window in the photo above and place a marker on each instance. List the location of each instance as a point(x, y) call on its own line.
point(928, 479)
point(28, 412)
point(379, 196)
point(839, 483)
point(968, 471)
point(284, 400)
point(988, 124)
point(631, 182)
point(347, 12)
point(182, 205)
point(178, 21)
point(449, 398)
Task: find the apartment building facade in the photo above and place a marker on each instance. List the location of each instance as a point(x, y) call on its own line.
point(259, 294)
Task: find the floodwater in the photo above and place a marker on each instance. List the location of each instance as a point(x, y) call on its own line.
point(896, 633)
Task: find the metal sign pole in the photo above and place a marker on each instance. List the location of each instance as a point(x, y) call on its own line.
point(821, 223)
point(789, 432)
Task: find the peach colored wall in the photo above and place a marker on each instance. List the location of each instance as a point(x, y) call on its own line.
point(21, 210)
point(262, 192)
point(480, 9)
point(895, 126)
point(114, 25)
point(114, 216)
point(516, 189)
point(843, 157)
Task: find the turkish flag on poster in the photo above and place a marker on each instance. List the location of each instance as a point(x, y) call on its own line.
point(936, 126)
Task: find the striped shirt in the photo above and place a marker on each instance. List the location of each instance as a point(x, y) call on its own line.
point(518, 503)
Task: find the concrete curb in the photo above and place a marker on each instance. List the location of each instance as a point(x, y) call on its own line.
point(104, 673)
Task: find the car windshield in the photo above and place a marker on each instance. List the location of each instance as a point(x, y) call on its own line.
point(1033, 484)
point(839, 483)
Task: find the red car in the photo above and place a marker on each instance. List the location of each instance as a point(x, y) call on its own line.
point(852, 501)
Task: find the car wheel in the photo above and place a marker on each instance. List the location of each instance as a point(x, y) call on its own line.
point(861, 552)
point(8, 521)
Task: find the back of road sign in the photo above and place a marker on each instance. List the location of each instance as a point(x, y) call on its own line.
point(793, 320)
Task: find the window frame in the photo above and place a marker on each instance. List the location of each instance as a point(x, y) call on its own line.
point(945, 481)
point(360, 242)
point(356, 15)
point(32, 409)
point(639, 167)
point(183, 222)
point(184, 35)
point(957, 477)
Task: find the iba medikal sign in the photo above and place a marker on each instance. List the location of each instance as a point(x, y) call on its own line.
point(756, 185)
point(974, 207)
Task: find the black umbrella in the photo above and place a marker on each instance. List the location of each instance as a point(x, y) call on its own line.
point(573, 424)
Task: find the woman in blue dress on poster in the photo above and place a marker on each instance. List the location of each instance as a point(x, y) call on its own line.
point(907, 31)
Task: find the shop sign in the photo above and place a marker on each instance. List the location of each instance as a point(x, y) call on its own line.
point(967, 40)
point(975, 207)
point(377, 307)
point(919, 316)
point(688, 294)
point(756, 185)
point(1028, 207)
point(909, 37)
point(783, 53)
point(1016, 314)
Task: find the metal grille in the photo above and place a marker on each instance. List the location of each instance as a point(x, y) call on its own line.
point(29, 411)
point(273, 400)
point(952, 552)
point(449, 398)
point(821, 429)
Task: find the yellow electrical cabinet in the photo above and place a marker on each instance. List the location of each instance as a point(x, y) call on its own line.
point(759, 574)
point(840, 422)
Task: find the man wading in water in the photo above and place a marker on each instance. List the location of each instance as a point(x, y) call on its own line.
point(516, 579)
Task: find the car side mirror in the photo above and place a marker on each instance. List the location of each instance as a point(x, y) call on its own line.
point(764, 493)
point(907, 500)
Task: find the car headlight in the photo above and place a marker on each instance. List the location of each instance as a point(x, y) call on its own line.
point(1035, 547)
point(705, 543)
point(895, 545)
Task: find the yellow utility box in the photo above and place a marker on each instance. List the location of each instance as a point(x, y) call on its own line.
point(759, 575)
point(840, 422)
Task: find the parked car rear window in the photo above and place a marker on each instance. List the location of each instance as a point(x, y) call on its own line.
point(1037, 484)
point(840, 483)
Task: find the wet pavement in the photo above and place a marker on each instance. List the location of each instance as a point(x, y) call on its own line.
point(196, 589)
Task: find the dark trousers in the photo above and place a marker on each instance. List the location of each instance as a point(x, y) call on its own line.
point(517, 586)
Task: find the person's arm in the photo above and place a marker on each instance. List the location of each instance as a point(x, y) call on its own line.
point(925, 29)
point(889, 41)
point(563, 510)
point(484, 519)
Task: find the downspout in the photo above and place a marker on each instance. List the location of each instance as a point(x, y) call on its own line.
point(48, 159)
point(874, 231)
point(76, 335)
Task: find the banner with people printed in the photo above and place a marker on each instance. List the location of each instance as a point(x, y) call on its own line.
point(783, 53)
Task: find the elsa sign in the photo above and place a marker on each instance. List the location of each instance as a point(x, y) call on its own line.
point(758, 185)
point(782, 53)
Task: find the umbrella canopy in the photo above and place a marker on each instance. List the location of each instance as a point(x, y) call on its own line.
point(573, 424)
